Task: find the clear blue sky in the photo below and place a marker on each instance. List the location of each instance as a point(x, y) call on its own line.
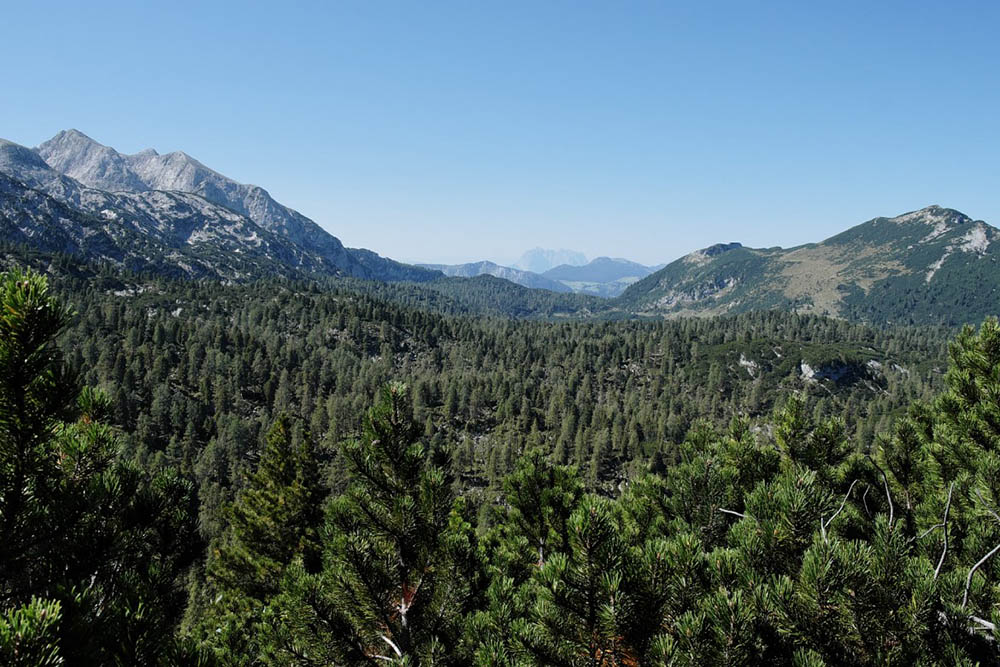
point(445, 131)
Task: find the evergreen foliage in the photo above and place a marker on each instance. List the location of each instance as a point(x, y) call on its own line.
point(199, 372)
point(93, 551)
point(397, 578)
point(784, 534)
point(271, 526)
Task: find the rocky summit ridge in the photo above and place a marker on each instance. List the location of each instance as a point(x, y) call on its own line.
point(191, 219)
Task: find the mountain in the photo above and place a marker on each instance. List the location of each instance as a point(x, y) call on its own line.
point(172, 215)
point(540, 260)
point(177, 206)
point(165, 232)
point(603, 276)
point(524, 278)
point(600, 270)
point(932, 266)
point(97, 166)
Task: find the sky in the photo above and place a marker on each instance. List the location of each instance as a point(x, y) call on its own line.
point(461, 131)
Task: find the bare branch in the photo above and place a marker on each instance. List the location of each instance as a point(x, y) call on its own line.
point(724, 511)
point(986, 625)
point(885, 480)
point(944, 551)
point(927, 532)
point(986, 506)
point(824, 525)
point(392, 644)
point(980, 624)
point(968, 580)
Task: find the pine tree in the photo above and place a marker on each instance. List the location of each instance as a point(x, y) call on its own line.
point(397, 579)
point(602, 602)
point(533, 522)
point(581, 600)
point(27, 635)
point(273, 522)
point(36, 397)
point(93, 550)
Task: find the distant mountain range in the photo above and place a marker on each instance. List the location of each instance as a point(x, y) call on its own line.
point(931, 266)
point(524, 278)
point(165, 213)
point(540, 260)
point(935, 265)
point(171, 215)
point(603, 276)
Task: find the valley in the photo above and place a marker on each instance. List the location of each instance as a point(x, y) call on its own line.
point(308, 429)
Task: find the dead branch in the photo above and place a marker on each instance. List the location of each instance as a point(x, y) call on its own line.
point(968, 580)
point(944, 551)
point(824, 525)
point(888, 496)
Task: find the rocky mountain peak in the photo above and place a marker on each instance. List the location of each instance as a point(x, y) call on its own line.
point(15, 154)
point(73, 153)
point(71, 135)
point(176, 200)
point(95, 165)
point(934, 216)
point(934, 223)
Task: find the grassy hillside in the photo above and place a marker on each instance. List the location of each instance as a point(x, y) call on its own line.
point(933, 266)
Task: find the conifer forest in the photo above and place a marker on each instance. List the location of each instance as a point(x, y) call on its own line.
point(499, 334)
point(344, 473)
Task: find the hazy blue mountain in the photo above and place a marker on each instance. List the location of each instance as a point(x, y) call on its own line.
point(524, 278)
point(600, 270)
point(604, 276)
point(540, 260)
point(935, 265)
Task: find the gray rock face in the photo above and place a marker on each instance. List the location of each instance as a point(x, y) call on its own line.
point(146, 230)
point(97, 166)
point(131, 237)
point(78, 156)
point(158, 211)
point(179, 202)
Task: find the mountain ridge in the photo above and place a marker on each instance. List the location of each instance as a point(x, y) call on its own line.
point(172, 214)
point(602, 276)
point(517, 276)
point(895, 265)
point(539, 260)
point(178, 218)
